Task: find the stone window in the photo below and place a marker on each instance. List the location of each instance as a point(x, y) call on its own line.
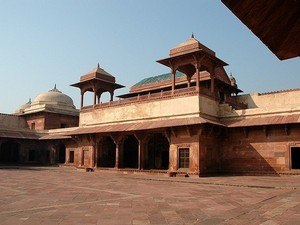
point(71, 159)
point(184, 157)
point(32, 126)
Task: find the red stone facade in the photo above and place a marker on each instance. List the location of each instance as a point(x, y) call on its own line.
point(194, 126)
point(47, 121)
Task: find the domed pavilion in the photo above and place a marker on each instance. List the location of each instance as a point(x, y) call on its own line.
point(50, 110)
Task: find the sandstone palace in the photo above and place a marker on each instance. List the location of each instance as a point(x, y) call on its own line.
point(193, 121)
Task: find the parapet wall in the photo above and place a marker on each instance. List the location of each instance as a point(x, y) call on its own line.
point(281, 102)
point(179, 107)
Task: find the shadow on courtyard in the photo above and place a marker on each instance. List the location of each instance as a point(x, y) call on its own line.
point(33, 167)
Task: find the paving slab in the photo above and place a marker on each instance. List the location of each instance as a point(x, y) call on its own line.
point(64, 196)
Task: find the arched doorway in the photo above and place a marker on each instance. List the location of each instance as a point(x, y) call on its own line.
point(107, 153)
point(131, 152)
point(61, 154)
point(9, 152)
point(158, 152)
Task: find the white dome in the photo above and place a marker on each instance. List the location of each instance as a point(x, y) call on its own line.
point(23, 107)
point(54, 97)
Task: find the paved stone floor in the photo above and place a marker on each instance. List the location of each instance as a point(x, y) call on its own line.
point(30, 196)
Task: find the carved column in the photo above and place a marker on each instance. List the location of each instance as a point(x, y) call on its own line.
point(117, 155)
point(96, 155)
point(81, 157)
point(188, 77)
point(197, 67)
point(173, 71)
point(142, 139)
point(118, 140)
point(111, 96)
point(82, 97)
point(99, 97)
point(95, 96)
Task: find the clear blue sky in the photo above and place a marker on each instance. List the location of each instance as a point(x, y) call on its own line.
point(46, 42)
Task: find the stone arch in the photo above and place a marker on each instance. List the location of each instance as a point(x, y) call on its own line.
point(107, 153)
point(60, 156)
point(158, 152)
point(131, 152)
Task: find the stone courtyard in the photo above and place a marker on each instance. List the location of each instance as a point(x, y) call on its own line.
point(50, 195)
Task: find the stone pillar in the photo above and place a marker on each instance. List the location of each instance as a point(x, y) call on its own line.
point(118, 140)
point(95, 96)
point(82, 97)
point(117, 155)
point(111, 96)
point(173, 80)
point(140, 155)
point(197, 67)
point(92, 162)
point(96, 155)
point(142, 139)
point(67, 156)
point(81, 162)
point(173, 158)
point(188, 77)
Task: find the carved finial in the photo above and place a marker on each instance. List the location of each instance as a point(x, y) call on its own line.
point(98, 66)
point(29, 102)
point(192, 35)
point(55, 89)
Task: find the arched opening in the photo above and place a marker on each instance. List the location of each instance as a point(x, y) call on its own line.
point(131, 152)
point(105, 97)
point(107, 153)
point(9, 152)
point(158, 152)
point(61, 154)
point(88, 98)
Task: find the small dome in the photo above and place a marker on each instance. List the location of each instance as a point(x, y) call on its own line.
point(55, 97)
point(23, 107)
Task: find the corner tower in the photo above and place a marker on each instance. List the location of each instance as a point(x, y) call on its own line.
point(97, 81)
point(191, 57)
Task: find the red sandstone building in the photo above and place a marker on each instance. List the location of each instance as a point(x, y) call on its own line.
point(192, 121)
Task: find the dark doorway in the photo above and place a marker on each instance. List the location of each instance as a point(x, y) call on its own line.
point(9, 152)
point(107, 153)
point(61, 154)
point(295, 154)
point(71, 157)
point(131, 152)
point(158, 152)
point(47, 157)
point(32, 155)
